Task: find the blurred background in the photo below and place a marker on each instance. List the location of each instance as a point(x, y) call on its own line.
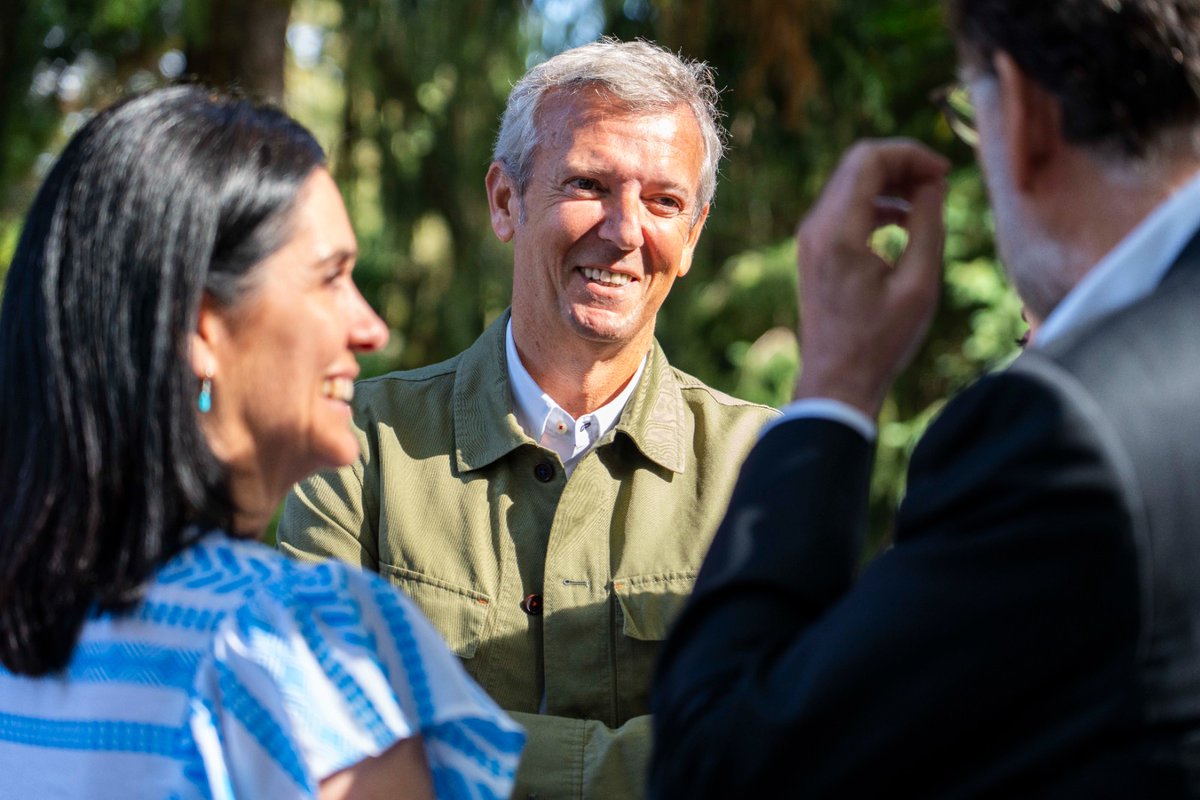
point(405, 95)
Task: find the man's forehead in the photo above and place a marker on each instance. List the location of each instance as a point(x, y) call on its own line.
point(562, 120)
point(592, 104)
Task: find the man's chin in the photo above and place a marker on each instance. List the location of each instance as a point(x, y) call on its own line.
point(601, 327)
point(1036, 283)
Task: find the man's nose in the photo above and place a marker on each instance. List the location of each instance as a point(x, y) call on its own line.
point(622, 223)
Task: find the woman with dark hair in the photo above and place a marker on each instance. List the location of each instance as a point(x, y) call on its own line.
point(177, 342)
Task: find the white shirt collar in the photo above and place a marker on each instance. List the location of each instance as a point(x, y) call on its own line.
point(544, 421)
point(1132, 269)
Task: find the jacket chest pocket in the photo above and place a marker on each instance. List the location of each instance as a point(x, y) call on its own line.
point(647, 607)
point(651, 603)
point(458, 613)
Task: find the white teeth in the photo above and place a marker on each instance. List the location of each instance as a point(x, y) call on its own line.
point(604, 276)
point(338, 389)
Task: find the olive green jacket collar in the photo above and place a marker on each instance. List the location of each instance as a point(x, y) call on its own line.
point(653, 419)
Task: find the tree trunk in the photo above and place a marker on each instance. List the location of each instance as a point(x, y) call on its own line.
point(14, 72)
point(243, 44)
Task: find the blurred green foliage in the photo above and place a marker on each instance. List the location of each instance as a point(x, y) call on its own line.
point(406, 94)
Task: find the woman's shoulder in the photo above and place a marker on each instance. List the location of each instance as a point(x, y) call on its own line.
point(336, 618)
point(220, 565)
point(339, 662)
point(222, 586)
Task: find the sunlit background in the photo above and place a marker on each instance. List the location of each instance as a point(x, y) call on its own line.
point(405, 96)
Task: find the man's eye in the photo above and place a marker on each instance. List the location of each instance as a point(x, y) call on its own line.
point(585, 184)
point(668, 203)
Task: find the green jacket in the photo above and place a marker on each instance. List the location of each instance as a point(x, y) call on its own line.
point(453, 503)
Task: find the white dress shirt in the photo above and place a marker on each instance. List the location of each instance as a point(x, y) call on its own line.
point(545, 421)
point(1128, 273)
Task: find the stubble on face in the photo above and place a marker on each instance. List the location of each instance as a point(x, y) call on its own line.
point(1036, 262)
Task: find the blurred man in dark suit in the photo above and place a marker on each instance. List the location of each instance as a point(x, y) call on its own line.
point(1035, 631)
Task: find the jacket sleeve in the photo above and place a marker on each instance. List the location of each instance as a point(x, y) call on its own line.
point(1007, 587)
point(324, 517)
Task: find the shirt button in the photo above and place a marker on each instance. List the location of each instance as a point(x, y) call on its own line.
point(532, 605)
point(544, 472)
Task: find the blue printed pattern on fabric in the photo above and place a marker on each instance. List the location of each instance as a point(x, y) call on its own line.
point(110, 735)
point(261, 726)
point(243, 674)
point(134, 662)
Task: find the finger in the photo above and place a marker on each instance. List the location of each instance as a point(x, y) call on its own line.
point(920, 265)
point(910, 165)
point(891, 210)
point(891, 167)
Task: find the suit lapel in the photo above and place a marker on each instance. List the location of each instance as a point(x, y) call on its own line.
point(1188, 263)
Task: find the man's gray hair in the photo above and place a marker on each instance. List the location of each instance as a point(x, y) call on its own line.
point(637, 76)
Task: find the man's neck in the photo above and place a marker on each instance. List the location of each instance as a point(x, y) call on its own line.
point(1133, 267)
point(579, 375)
point(1120, 198)
point(1079, 207)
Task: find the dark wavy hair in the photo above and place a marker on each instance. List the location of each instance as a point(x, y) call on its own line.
point(1124, 71)
point(157, 202)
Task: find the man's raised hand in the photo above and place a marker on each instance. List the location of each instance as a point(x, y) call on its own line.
point(862, 318)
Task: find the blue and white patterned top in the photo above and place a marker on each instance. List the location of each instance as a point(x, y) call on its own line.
point(244, 674)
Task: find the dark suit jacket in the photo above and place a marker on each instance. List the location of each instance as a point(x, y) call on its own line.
point(1035, 630)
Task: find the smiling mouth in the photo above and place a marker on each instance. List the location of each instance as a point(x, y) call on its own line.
point(338, 389)
point(605, 277)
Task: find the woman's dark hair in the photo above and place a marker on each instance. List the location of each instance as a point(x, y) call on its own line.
point(158, 201)
point(1122, 70)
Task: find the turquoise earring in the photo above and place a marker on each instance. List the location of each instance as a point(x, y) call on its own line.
point(204, 401)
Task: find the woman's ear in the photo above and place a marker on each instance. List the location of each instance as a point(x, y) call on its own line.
point(205, 340)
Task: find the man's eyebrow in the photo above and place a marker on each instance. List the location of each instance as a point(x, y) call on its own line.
point(672, 186)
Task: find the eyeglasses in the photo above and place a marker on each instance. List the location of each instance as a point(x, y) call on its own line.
point(954, 101)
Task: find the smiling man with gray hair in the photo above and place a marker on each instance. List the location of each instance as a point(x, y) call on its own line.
point(547, 495)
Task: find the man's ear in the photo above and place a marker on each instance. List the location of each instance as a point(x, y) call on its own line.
point(1032, 120)
point(689, 248)
point(503, 201)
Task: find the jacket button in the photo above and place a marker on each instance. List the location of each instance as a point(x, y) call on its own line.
point(532, 605)
point(544, 472)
